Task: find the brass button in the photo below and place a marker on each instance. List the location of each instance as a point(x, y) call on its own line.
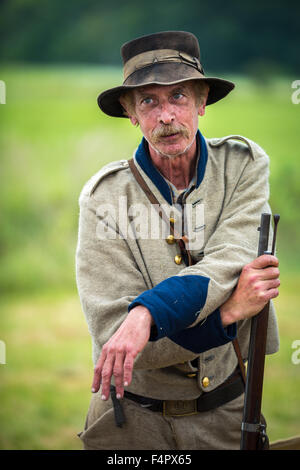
point(170, 240)
point(205, 382)
point(191, 375)
point(172, 220)
point(178, 259)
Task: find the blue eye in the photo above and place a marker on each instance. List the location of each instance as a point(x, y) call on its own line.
point(147, 100)
point(177, 96)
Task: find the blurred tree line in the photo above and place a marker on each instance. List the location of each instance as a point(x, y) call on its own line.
point(235, 36)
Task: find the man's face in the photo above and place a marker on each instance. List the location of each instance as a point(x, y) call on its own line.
point(168, 116)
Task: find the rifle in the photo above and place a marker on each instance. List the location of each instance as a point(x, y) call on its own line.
point(253, 435)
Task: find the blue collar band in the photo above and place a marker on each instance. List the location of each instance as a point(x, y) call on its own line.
point(144, 160)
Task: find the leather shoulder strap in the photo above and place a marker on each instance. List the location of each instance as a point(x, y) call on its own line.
point(142, 182)
point(152, 198)
point(180, 240)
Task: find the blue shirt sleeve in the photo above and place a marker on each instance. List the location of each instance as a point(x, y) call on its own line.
point(175, 304)
point(207, 335)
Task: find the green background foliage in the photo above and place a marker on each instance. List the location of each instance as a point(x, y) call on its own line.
point(57, 57)
point(253, 37)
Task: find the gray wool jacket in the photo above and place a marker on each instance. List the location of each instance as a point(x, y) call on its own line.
point(122, 260)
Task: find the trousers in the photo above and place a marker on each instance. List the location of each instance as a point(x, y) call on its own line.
point(217, 429)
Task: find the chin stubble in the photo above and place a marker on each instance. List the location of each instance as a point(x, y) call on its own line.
point(165, 131)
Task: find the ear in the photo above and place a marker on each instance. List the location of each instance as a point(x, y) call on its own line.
point(128, 111)
point(133, 120)
point(201, 109)
point(202, 105)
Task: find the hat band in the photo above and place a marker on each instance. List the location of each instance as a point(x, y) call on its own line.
point(148, 58)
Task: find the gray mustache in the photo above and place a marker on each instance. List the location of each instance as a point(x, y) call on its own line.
point(167, 130)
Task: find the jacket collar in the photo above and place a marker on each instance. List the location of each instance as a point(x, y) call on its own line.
point(144, 160)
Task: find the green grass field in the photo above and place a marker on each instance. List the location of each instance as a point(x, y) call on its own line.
point(52, 139)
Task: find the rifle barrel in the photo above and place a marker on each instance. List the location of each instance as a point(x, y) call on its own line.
point(251, 425)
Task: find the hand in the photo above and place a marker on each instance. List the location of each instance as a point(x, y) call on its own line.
point(118, 354)
point(258, 283)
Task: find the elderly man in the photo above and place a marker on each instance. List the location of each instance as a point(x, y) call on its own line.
point(169, 314)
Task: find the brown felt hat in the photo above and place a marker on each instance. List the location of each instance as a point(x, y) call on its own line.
point(163, 58)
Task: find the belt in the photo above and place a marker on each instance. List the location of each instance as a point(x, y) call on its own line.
point(232, 388)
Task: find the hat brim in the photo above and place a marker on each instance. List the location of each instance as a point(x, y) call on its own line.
point(108, 100)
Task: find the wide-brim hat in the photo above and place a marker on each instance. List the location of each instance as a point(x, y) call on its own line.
point(164, 58)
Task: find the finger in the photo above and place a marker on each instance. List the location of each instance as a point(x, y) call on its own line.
point(107, 371)
point(128, 367)
point(118, 375)
point(268, 290)
point(273, 284)
point(272, 293)
point(97, 373)
point(264, 261)
point(268, 273)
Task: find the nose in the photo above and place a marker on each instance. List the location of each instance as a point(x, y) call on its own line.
point(166, 115)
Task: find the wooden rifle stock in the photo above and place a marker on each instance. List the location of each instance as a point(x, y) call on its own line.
point(253, 435)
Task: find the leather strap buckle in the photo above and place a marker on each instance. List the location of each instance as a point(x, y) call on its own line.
point(179, 407)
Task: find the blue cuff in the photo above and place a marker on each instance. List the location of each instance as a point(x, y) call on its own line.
point(206, 335)
point(174, 303)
